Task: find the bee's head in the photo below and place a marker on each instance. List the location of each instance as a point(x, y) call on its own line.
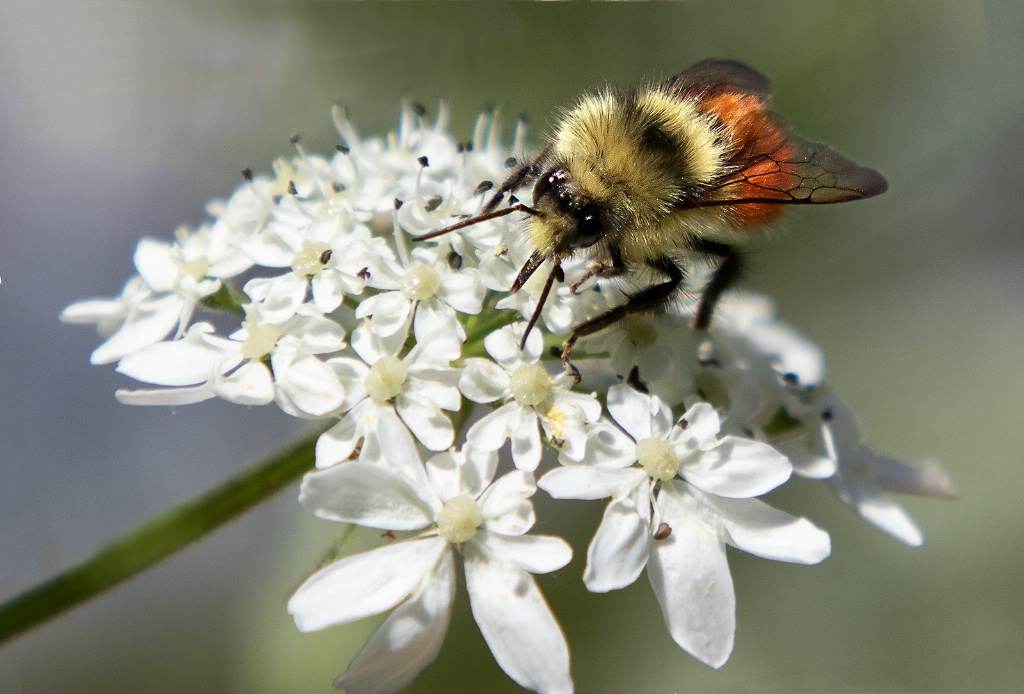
point(572, 220)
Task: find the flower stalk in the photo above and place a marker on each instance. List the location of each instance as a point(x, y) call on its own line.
point(154, 541)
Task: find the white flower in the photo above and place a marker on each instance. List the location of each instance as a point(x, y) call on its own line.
point(829, 435)
point(532, 396)
point(428, 285)
point(257, 363)
point(760, 361)
point(173, 278)
point(450, 508)
point(327, 254)
point(679, 495)
point(379, 385)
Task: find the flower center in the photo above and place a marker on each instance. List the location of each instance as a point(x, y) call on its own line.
point(529, 384)
point(420, 283)
point(458, 519)
point(386, 378)
point(311, 258)
point(195, 268)
point(657, 459)
point(260, 340)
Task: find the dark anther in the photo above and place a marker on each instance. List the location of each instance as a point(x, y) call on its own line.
point(791, 378)
point(663, 531)
point(826, 416)
point(555, 351)
point(683, 423)
point(512, 199)
point(364, 274)
point(326, 256)
point(276, 199)
point(292, 189)
point(510, 162)
point(342, 148)
point(557, 442)
point(419, 109)
point(433, 203)
point(467, 146)
point(454, 261)
point(460, 148)
point(484, 187)
point(424, 162)
point(337, 186)
point(398, 204)
point(294, 139)
point(247, 174)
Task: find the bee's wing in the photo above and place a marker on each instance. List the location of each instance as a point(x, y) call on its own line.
point(776, 166)
point(710, 77)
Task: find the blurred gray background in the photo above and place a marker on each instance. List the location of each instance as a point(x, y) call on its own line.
point(119, 120)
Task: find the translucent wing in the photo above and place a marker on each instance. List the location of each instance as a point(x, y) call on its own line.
point(768, 165)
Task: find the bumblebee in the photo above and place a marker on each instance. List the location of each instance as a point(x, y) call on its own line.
point(646, 181)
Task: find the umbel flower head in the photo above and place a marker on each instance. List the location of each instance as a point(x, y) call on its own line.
point(306, 290)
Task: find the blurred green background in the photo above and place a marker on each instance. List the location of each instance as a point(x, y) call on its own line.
point(119, 120)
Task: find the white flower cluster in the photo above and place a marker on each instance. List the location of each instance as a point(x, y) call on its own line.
point(390, 343)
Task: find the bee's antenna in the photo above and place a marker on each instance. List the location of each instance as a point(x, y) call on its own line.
point(518, 207)
point(556, 274)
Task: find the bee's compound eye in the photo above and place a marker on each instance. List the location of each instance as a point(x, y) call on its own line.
point(545, 183)
point(590, 227)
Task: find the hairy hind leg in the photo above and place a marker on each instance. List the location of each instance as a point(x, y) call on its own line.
point(649, 299)
point(728, 272)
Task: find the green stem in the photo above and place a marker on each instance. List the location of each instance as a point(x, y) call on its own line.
point(154, 541)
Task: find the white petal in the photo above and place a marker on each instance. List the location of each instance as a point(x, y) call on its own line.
point(337, 443)
point(426, 421)
point(182, 362)
point(366, 494)
point(538, 554)
point(483, 381)
point(166, 396)
point(314, 332)
point(738, 468)
point(279, 297)
point(309, 382)
point(249, 384)
point(703, 424)
point(619, 550)
point(503, 346)
point(146, 325)
point(877, 508)
point(634, 412)
point(407, 642)
point(525, 435)
point(506, 505)
point(690, 576)
point(155, 262)
point(588, 482)
point(328, 291)
point(388, 311)
point(365, 584)
point(490, 432)
point(462, 473)
point(463, 291)
point(756, 527)
point(517, 624)
point(609, 447)
point(435, 320)
point(398, 451)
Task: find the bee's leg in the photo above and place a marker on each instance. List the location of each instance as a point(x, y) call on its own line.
point(728, 272)
point(649, 299)
point(517, 179)
point(599, 268)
